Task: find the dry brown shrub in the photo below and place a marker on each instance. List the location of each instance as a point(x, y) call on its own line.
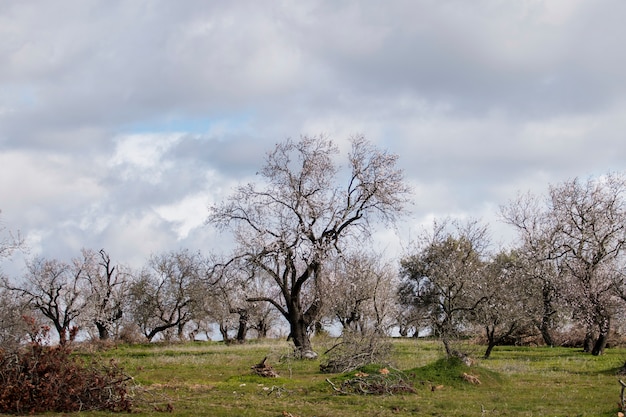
point(39, 378)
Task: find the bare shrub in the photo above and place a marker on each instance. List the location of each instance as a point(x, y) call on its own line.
point(131, 334)
point(356, 349)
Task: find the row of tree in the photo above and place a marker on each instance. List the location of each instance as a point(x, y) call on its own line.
point(565, 273)
point(302, 254)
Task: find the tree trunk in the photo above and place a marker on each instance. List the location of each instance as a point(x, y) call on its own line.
point(490, 347)
point(588, 342)
point(299, 322)
point(600, 344)
point(243, 325)
point(546, 335)
point(301, 339)
point(262, 328)
point(491, 341)
point(224, 333)
point(545, 327)
point(103, 331)
point(448, 348)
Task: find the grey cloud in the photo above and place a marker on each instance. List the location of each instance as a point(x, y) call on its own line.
point(481, 58)
point(479, 99)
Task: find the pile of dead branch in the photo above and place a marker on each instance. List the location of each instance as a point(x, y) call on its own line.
point(265, 370)
point(355, 350)
point(383, 382)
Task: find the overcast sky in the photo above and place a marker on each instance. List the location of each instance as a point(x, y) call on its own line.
point(122, 121)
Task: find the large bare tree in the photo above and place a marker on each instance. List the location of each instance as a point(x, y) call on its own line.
point(306, 209)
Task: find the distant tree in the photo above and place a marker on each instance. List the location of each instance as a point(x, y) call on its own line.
point(541, 274)
point(12, 326)
point(444, 276)
point(361, 289)
point(289, 226)
point(503, 314)
point(229, 300)
point(583, 229)
point(53, 288)
point(106, 289)
point(9, 241)
point(13, 329)
point(163, 295)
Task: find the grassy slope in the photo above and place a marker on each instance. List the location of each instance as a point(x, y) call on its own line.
point(215, 380)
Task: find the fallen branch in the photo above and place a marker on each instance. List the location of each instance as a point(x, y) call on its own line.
point(472, 379)
point(383, 383)
point(264, 370)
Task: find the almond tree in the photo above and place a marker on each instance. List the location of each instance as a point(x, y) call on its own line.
point(305, 210)
point(362, 293)
point(503, 313)
point(9, 241)
point(542, 281)
point(583, 229)
point(444, 277)
point(163, 296)
point(106, 289)
point(53, 289)
point(12, 326)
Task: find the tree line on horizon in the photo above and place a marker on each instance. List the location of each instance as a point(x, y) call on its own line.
point(304, 257)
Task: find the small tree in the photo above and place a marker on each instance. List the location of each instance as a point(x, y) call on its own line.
point(502, 315)
point(13, 330)
point(362, 293)
point(106, 289)
point(11, 309)
point(163, 295)
point(9, 241)
point(543, 283)
point(53, 288)
point(289, 226)
point(445, 275)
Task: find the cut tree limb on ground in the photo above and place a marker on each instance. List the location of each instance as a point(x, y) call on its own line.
point(264, 370)
point(472, 379)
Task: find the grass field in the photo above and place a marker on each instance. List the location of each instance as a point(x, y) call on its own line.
point(211, 379)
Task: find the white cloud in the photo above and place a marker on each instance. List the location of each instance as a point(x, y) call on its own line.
point(187, 214)
point(142, 155)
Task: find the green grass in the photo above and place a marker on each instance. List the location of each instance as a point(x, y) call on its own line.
point(212, 379)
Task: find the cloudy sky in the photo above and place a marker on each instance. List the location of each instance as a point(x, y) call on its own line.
point(121, 121)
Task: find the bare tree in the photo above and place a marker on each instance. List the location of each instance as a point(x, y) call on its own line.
point(12, 326)
point(362, 292)
point(445, 276)
point(9, 241)
point(106, 289)
point(582, 227)
point(53, 288)
point(164, 294)
point(503, 315)
point(541, 275)
point(290, 225)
